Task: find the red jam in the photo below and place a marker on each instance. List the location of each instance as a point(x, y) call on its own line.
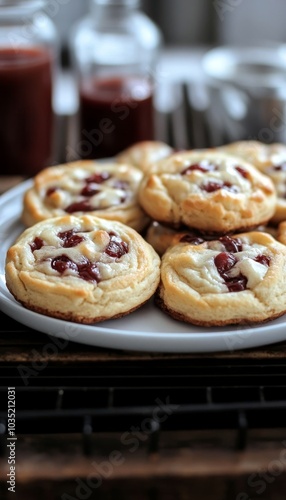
point(263, 259)
point(242, 172)
point(51, 191)
point(116, 247)
point(70, 238)
point(86, 270)
point(91, 183)
point(37, 244)
point(192, 239)
point(224, 262)
point(212, 186)
point(98, 178)
point(79, 206)
point(114, 113)
point(90, 190)
point(201, 167)
point(233, 245)
point(26, 124)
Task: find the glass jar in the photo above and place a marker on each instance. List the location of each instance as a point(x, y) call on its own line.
point(114, 52)
point(28, 55)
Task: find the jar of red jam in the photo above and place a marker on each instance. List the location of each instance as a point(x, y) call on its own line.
point(114, 51)
point(28, 55)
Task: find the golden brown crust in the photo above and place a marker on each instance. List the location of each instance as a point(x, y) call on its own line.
point(270, 159)
point(261, 155)
point(236, 321)
point(77, 318)
point(57, 188)
point(144, 154)
point(172, 196)
point(281, 232)
point(193, 290)
point(111, 269)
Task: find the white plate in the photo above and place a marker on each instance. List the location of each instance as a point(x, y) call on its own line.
point(147, 329)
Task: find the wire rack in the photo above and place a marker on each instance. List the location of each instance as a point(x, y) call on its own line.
point(194, 394)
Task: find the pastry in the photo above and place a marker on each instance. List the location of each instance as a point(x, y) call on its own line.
point(209, 191)
point(106, 190)
point(162, 237)
point(232, 280)
point(270, 159)
point(281, 232)
point(143, 154)
point(82, 269)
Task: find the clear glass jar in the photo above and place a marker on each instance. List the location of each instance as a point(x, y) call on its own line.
point(28, 56)
point(114, 51)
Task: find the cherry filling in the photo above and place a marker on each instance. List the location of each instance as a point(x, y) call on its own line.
point(88, 271)
point(70, 239)
point(62, 263)
point(263, 259)
point(91, 183)
point(98, 178)
point(51, 190)
point(191, 238)
point(79, 206)
point(212, 186)
point(224, 262)
point(242, 172)
point(90, 190)
point(200, 166)
point(116, 247)
point(37, 244)
point(237, 284)
point(233, 245)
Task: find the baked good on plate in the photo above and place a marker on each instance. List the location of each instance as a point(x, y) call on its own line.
point(162, 237)
point(232, 280)
point(281, 232)
point(209, 191)
point(144, 153)
point(269, 159)
point(106, 190)
point(83, 269)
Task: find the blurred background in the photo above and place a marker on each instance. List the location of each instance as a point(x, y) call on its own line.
point(193, 108)
point(221, 75)
point(200, 22)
